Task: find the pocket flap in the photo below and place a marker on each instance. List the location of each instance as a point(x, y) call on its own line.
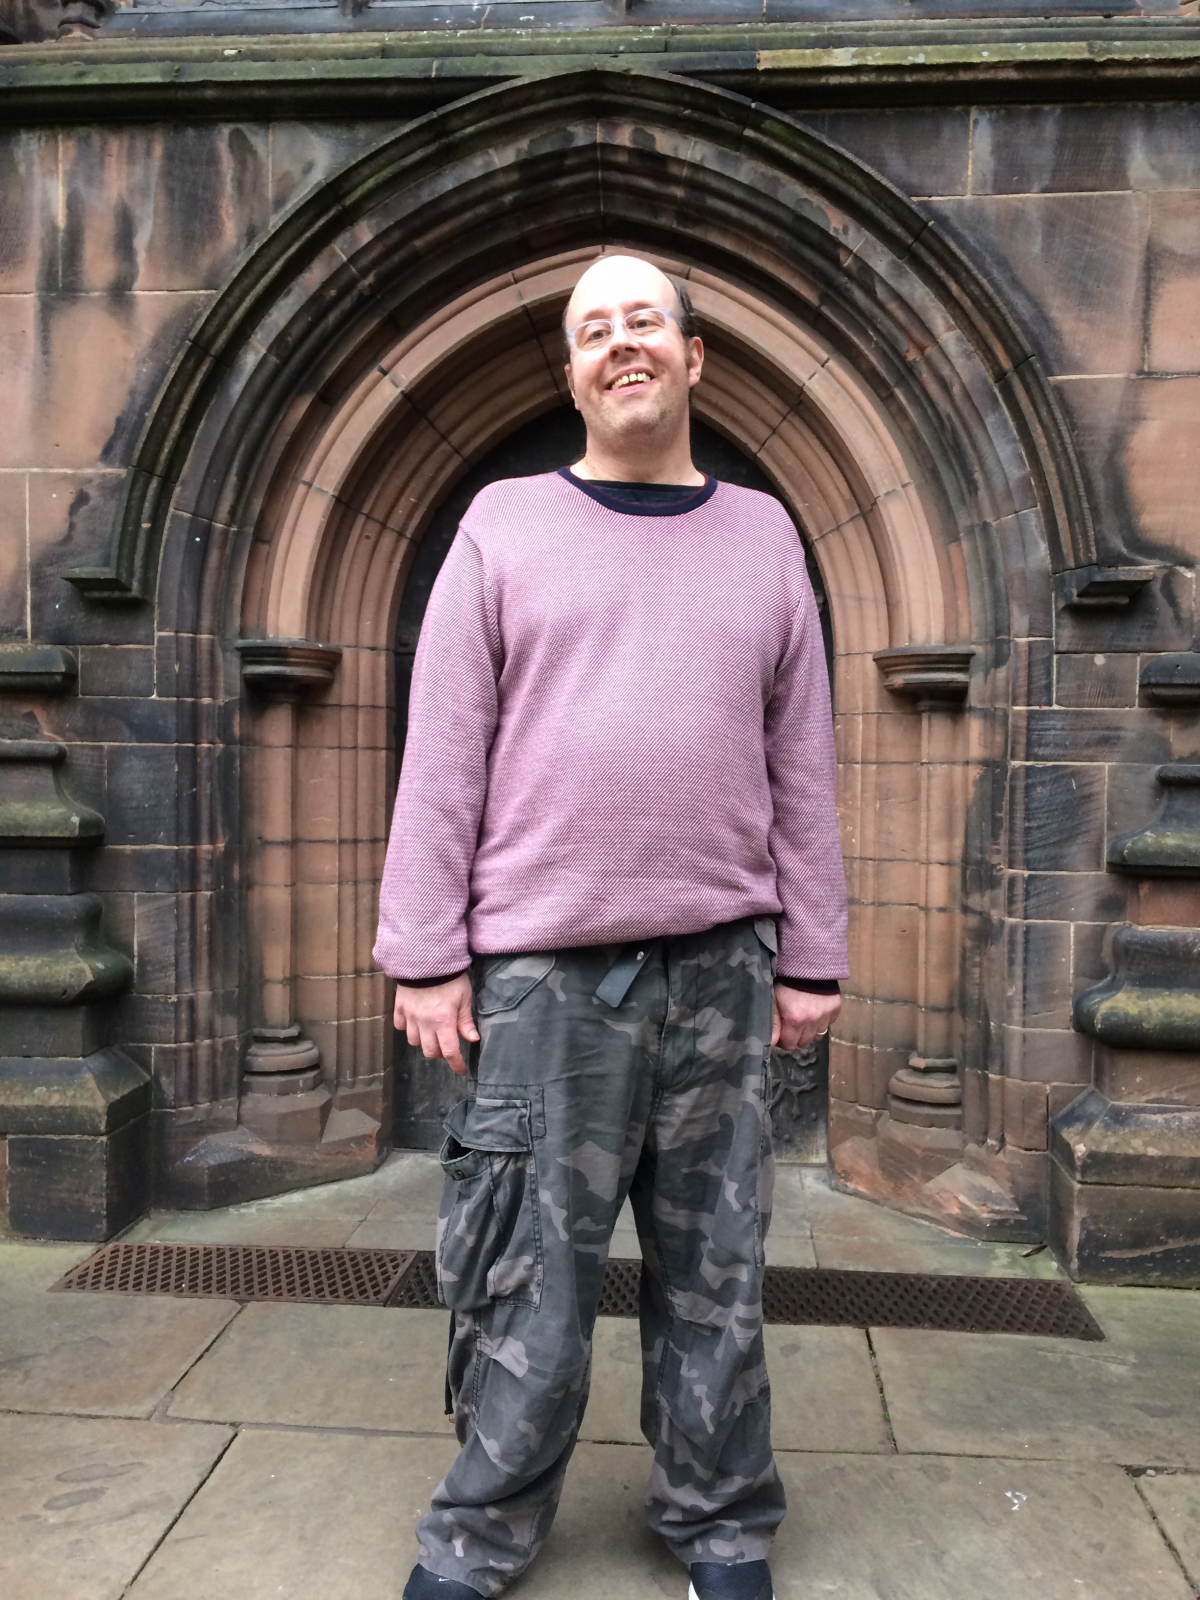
point(765, 928)
point(487, 1123)
point(506, 982)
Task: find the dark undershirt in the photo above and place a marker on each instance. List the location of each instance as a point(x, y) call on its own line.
point(643, 499)
point(647, 499)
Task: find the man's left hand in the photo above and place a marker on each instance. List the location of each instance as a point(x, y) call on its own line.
point(801, 1017)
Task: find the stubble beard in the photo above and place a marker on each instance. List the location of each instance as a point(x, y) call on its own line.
point(642, 430)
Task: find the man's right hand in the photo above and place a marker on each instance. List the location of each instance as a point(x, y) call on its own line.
point(437, 1019)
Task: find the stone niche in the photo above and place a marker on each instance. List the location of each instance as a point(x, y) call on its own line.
point(1125, 1155)
point(74, 1108)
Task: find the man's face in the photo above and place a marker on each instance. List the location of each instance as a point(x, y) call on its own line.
point(630, 386)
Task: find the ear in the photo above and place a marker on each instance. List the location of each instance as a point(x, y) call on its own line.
point(570, 384)
point(695, 361)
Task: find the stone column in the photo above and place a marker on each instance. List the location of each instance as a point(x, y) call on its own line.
point(922, 1133)
point(74, 1108)
point(284, 1099)
point(1125, 1154)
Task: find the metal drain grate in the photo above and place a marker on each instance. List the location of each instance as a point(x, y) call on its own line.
point(407, 1278)
point(342, 1277)
point(418, 1287)
point(831, 1298)
point(926, 1300)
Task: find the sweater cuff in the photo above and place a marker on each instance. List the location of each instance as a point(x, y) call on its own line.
point(810, 985)
point(430, 983)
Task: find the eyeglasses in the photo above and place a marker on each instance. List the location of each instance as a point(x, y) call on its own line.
point(588, 337)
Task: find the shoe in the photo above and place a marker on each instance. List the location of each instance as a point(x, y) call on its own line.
point(734, 1580)
point(425, 1585)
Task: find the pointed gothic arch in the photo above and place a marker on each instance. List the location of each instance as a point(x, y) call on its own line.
point(397, 323)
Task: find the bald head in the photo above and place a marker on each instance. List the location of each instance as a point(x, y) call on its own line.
point(628, 280)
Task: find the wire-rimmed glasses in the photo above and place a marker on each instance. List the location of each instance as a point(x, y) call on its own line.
point(588, 337)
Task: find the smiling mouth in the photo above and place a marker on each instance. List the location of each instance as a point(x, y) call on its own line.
point(630, 380)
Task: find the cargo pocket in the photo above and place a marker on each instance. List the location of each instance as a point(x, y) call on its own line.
point(489, 1237)
point(502, 982)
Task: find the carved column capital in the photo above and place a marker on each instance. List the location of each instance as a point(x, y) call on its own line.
point(936, 676)
point(282, 668)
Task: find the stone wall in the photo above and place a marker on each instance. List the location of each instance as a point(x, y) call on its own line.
point(233, 803)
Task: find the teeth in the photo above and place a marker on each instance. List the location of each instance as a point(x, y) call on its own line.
point(631, 377)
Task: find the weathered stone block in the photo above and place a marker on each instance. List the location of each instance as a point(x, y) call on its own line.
point(1096, 1140)
point(1126, 1233)
point(1073, 265)
point(95, 1095)
point(78, 1186)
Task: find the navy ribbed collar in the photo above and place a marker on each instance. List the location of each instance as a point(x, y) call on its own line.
point(644, 499)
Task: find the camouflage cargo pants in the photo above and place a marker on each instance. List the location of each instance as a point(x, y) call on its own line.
point(578, 1103)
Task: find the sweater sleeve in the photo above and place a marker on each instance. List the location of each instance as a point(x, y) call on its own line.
point(452, 719)
point(804, 839)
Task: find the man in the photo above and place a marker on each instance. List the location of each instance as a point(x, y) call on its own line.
point(614, 869)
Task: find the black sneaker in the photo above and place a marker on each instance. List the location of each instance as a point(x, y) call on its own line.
point(734, 1580)
point(425, 1585)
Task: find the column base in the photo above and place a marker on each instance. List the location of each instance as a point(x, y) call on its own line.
point(930, 1173)
point(78, 1186)
point(1125, 1191)
point(201, 1167)
point(78, 1143)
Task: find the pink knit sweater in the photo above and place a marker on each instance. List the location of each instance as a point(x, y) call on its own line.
point(619, 727)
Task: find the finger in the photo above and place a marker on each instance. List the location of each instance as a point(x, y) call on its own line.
point(776, 1027)
point(412, 1030)
point(399, 1015)
point(449, 1046)
point(431, 1045)
point(466, 1023)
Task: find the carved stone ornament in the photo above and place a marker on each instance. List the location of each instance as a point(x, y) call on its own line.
point(1098, 588)
point(936, 676)
point(1172, 680)
point(282, 668)
point(1151, 999)
point(1169, 846)
point(83, 19)
point(35, 809)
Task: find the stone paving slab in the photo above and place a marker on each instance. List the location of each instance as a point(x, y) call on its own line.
point(1135, 1398)
point(1174, 1498)
point(324, 1366)
point(931, 1528)
point(823, 1390)
point(327, 1516)
point(301, 1516)
point(84, 1500)
point(103, 1354)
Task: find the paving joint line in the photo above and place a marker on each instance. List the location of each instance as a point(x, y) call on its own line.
point(893, 1447)
point(159, 1413)
point(1135, 1476)
point(174, 1522)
